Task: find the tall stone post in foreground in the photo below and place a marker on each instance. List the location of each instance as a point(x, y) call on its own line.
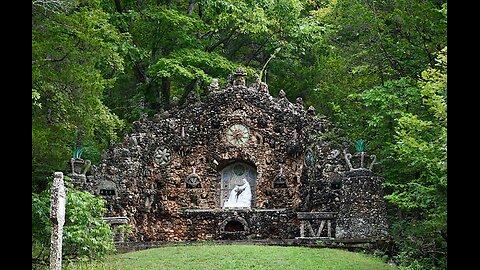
point(57, 219)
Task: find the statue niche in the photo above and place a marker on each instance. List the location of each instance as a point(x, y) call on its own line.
point(238, 182)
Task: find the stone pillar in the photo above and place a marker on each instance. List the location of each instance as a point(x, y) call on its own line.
point(362, 212)
point(57, 219)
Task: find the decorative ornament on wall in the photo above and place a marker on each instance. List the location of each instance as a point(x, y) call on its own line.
point(193, 180)
point(162, 155)
point(239, 77)
point(239, 170)
point(358, 160)
point(238, 134)
point(309, 157)
point(280, 180)
point(333, 154)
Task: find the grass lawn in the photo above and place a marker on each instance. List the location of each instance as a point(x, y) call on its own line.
point(211, 257)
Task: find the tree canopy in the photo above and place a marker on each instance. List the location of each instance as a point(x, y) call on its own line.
point(376, 68)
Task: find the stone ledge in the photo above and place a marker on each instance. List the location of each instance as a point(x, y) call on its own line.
point(318, 242)
point(316, 215)
point(116, 220)
point(238, 209)
point(314, 238)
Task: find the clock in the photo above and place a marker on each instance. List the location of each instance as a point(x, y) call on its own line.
point(237, 134)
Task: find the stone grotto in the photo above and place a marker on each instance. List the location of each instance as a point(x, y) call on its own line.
point(238, 164)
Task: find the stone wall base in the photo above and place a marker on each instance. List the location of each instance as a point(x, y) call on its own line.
point(358, 244)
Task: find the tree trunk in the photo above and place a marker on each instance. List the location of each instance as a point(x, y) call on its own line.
point(78, 143)
point(139, 72)
point(188, 89)
point(200, 11)
point(165, 95)
point(118, 6)
point(191, 6)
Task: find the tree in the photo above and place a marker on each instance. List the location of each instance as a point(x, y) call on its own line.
point(368, 43)
point(182, 45)
point(76, 55)
point(420, 191)
point(408, 124)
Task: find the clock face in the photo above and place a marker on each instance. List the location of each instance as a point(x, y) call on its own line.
point(237, 134)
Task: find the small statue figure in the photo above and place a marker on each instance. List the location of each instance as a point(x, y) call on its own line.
point(299, 102)
point(240, 196)
point(311, 110)
point(214, 86)
point(239, 77)
point(261, 86)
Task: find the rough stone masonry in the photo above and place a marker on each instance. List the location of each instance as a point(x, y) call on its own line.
point(172, 175)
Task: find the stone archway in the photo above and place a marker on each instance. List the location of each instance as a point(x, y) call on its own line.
point(234, 224)
point(232, 175)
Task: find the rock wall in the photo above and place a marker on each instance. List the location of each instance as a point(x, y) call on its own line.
point(362, 209)
point(169, 175)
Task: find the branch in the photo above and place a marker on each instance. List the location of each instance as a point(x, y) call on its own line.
point(266, 63)
point(426, 40)
point(118, 6)
point(255, 53)
point(393, 62)
point(191, 6)
point(50, 59)
point(188, 89)
point(214, 46)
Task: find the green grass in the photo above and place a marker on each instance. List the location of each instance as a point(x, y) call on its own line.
point(212, 257)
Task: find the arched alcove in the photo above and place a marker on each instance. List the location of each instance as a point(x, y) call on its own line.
point(234, 224)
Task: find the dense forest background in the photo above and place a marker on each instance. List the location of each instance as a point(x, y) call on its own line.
point(376, 68)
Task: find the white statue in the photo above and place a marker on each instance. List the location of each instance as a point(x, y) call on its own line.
point(240, 196)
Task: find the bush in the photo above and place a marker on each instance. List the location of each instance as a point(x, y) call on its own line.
point(85, 234)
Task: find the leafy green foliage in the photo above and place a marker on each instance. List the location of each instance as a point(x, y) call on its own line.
point(420, 191)
point(380, 107)
point(377, 69)
point(180, 52)
point(409, 119)
point(76, 55)
point(188, 64)
point(41, 227)
point(85, 234)
point(365, 44)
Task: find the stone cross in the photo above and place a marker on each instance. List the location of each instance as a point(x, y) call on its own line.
point(57, 219)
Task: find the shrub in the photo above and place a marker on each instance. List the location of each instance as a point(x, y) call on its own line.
point(85, 234)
